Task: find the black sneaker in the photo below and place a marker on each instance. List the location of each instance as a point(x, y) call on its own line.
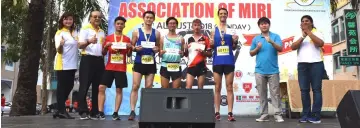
point(84, 116)
point(132, 115)
point(115, 116)
point(93, 117)
point(101, 116)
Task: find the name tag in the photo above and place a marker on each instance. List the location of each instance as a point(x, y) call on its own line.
point(196, 45)
point(173, 67)
point(223, 50)
point(172, 51)
point(147, 59)
point(117, 59)
point(230, 31)
point(119, 45)
point(145, 44)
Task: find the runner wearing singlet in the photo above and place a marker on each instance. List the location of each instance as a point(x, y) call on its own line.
point(117, 46)
point(224, 41)
point(146, 41)
point(197, 49)
point(171, 52)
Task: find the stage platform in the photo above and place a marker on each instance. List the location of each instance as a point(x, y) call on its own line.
point(242, 122)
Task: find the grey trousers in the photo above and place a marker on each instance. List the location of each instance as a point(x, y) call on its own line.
point(274, 84)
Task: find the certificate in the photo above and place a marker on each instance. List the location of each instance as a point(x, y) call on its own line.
point(196, 45)
point(172, 51)
point(230, 31)
point(145, 44)
point(119, 45)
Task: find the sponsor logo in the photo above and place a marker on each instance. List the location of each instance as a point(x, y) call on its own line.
point(238, 74)
point(223, 101)
point(250, 74)
point(245, 98)
point(247, 87)
point(304, 2)
point(305, 6)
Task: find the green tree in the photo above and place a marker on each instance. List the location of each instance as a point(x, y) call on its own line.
point(82, 8)
point(12, 29)
point(48, 48)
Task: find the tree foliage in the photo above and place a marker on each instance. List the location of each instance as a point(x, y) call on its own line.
point(82, 8)
point(13, 15)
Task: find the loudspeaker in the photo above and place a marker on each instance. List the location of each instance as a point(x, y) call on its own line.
point(348, 110)
point(183, 108)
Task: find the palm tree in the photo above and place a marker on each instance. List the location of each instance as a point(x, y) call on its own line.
point(24, 101)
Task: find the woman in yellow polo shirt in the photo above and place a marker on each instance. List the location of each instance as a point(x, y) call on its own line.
point(65, 63)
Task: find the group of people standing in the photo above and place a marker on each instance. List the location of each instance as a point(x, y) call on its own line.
point(147, 41)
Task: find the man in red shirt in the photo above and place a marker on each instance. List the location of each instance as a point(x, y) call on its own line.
point(3, 99)
point(116, 46)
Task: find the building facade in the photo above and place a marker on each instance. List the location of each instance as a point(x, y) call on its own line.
point(339, 43)
point(9, 75)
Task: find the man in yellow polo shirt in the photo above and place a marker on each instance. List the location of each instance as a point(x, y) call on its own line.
point(92, 66)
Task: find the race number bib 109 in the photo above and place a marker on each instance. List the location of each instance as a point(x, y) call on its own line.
point(223, 50)
point(147, 59)
point(117, 59)
point(173, 67)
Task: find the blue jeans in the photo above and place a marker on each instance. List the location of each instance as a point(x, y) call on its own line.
point(311, 74)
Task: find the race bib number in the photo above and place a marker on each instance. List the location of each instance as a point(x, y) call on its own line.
point(119, 45)
point(172, 51)
point(223, 50)
point(173, 67)
point(147, 59)
point(117, 59)
point(145, 44)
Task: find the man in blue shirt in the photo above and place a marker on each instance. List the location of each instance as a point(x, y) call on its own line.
point(266, 47)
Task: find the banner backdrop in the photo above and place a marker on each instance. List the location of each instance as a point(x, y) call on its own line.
point(243, 16)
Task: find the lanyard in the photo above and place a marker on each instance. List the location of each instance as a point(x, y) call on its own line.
point(122, 36)
point(147, 39)
point(222, 35)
